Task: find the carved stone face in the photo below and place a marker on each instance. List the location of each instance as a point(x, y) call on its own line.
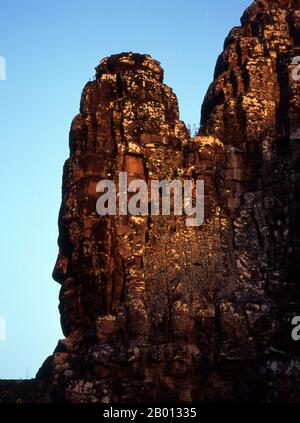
point(82, 254)
point(128, 121)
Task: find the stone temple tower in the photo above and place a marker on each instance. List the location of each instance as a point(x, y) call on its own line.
point(153, 310)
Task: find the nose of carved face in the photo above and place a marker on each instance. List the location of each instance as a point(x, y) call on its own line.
point(60, 271)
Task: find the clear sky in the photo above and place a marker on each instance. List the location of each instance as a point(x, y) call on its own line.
point(51, 49)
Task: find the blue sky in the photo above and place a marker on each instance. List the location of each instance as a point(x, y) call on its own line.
point(51, 49)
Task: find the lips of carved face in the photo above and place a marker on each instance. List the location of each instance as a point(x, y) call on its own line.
point(67, 295)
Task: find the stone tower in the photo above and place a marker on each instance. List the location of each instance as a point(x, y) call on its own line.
point(153, 310)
